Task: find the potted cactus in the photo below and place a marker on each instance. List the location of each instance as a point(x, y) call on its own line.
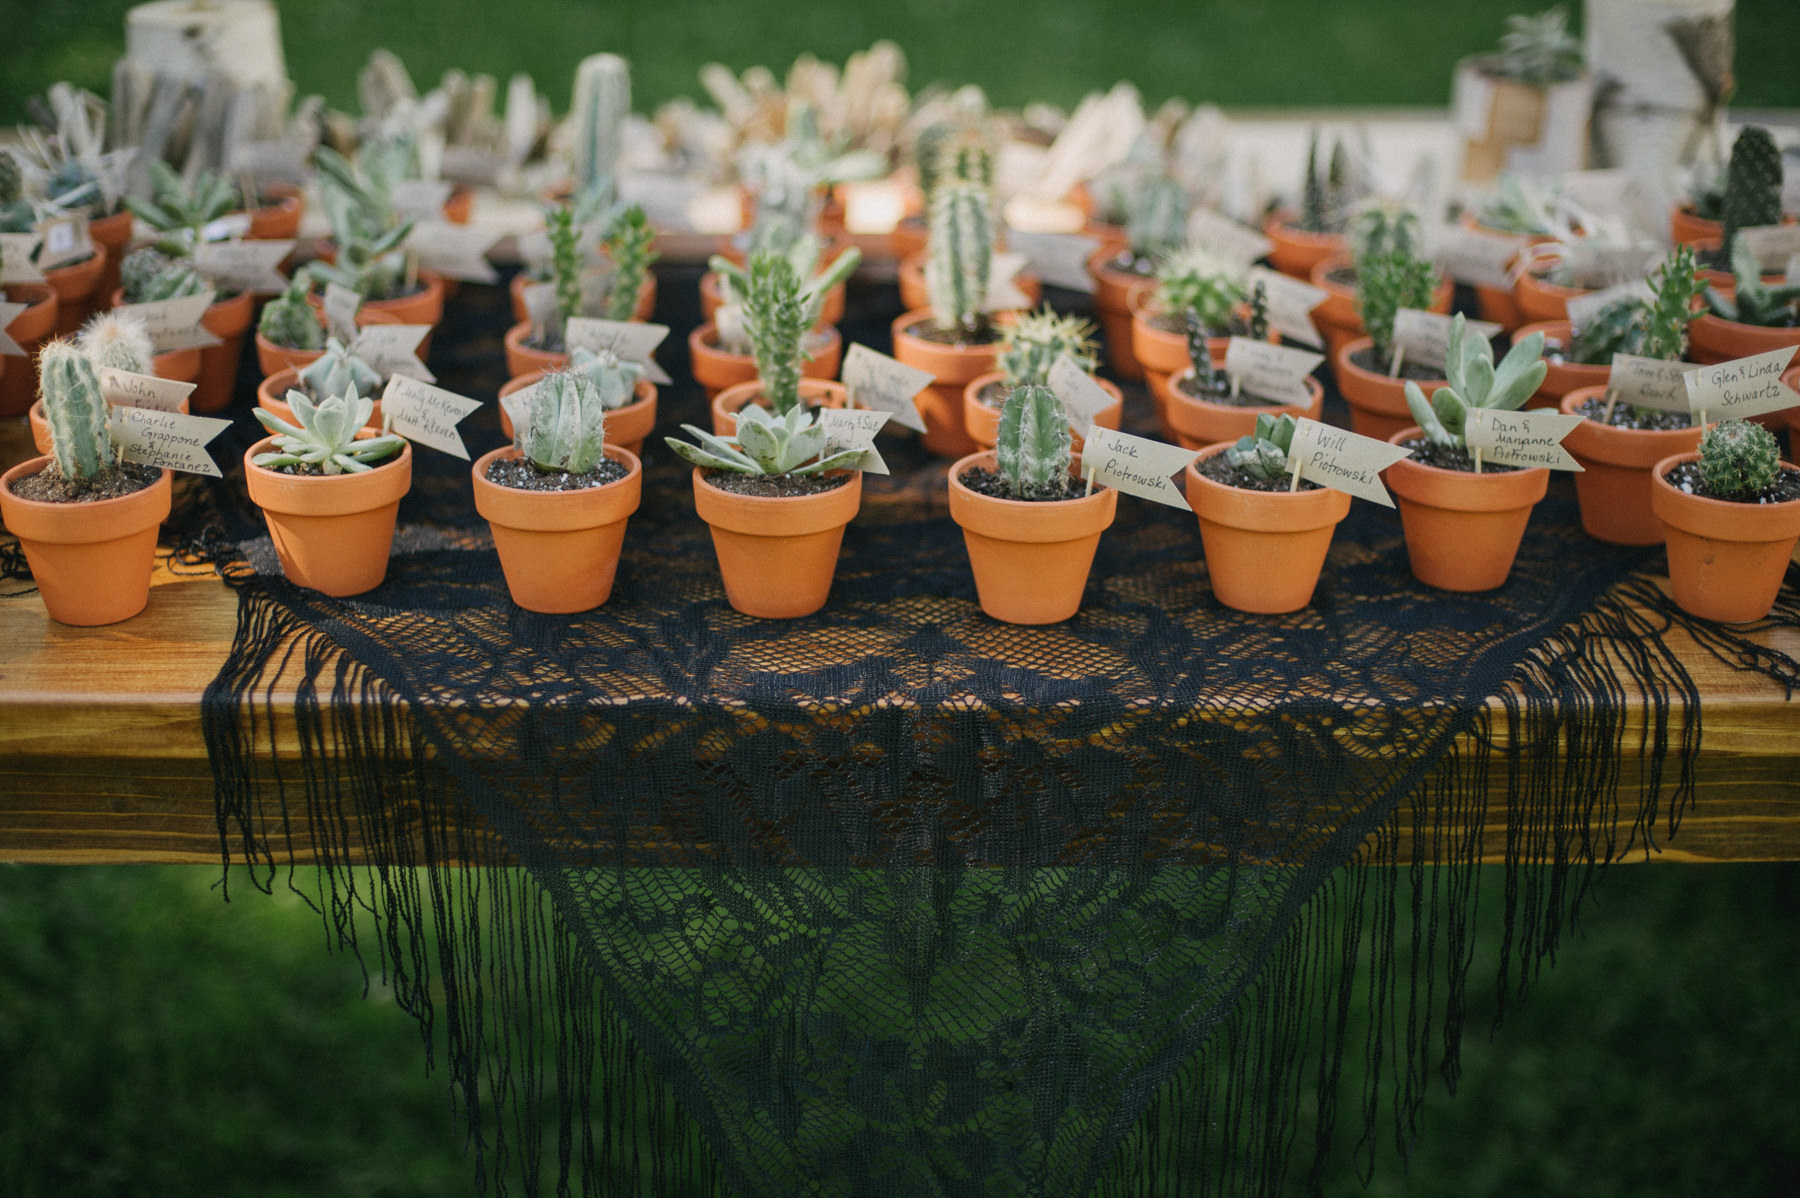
point(1757, 317)
point(1265, 540)
point(1030, 526)
point(1330, 191)
point(1372, 381)
point(1190, 281)
point(558, 497)
point(724, 351)
point(1732, 517)
point(1030, 347)
point(110, 339)
point(1205, 409)
point(779, 313)
point(628, 296)
point(86, 520)
point(1463, 523)
point(626, 396)
point(960, 148)
point(1155, 226)
point(289, 332)
point(1374, 231)
point(1526, 212)
point(75, 283)
point(1529, 100)
point(1752, 197)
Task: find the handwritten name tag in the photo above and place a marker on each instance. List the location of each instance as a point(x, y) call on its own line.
point(1059, 259)
point(1273, 372)
point(1343, 461)
point(394, 349)
point(1136, 465)
point(1290, 303)
point(426, 415)
point(1528, 439)
point(879, 383)
point(630, 340)
point(1743, 387)
point(1082, 398)
point(1476, 258)
point(142, 390)
point(1649, 382)
point(854, 429)
point(341, 305)
point(174, 323)
point(167, 439)
point(244, 265)
point(1223, 236)
point(1425, 336)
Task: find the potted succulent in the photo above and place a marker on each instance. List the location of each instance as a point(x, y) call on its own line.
point(78, 177)
point(1030, 526)
point(1463, 523)
point(368, 239)
point(1526, 212)
point(1530, 99)
point(778, 315)
point(75, 282)
point(1265, 540)
point(723, 352)
point(336, 370)
point(289, 332)
point(1752, 197)
point(1373, 231)
point(960, 149)
point(1330, 192)
point(1191, 282)
point(1755, 318)
point(1369, 375)
point(166, 271)
point(809, 253)
point(86, 520)
point(1030, 347)
point(557, 498)
point(1155, 225)
point(113, 340)
point(1206, 409)
point(627, 398)
point(627, 241)
point(1732, 517)
point(330, 490)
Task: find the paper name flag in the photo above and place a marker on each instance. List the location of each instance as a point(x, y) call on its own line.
point(130, 390)
point(1059, 259)
point(1773, 245)
point(1648, 383)
point(1136, 465)
point(1290, 303)
point(877, 382)
point(1082, 398)
point(1608, 266)
point(1425, 336)
point(226, 228)
point(420, 199)
point(426, 415)
point(854, 429)
point(394, 349)
point(279, 161)
point(341, 305)
point(1273, 372)
point(540, 303)
point(244, 265)
point(1220, 235)
point(16, 265)
point(174, 323)
point(66, 240)
point(1343, 461)
point(518, 404)
point(454, 251)
point(10, 312)
point(1743, 387)
point(1003, 292)
point(631, 341)
point(1476, 258)
point(1584, 308)
point(1531, 438)
point(167, 439)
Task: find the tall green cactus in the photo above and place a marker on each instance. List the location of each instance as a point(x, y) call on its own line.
point(1752, 184)
point(601, 103)
point(627, 242)
point(775, 318)
point(289, 321)
point(962, 255)
point(1386, 283)
point(116, 341)
point(1032, 446)
point(1208, 378)
point(1156, 221)
point(70, 388)
point(566, 427)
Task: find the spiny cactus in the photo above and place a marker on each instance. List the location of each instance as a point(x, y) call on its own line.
point(9, 178)
point(627, 242)
point(775, 321)
point(952, 150)
point(1755, 302)
point(1539, 49)
point(179, 207)
point(118, 342)
point(616, 380)
point(565, 267)
point(289, 321)
point(151, 274)
point(69, 385)
point(1035, 340)
point(601, 102)
point(1330, 188)
point(1192, 279)
point(16, 212)
point(962, 255)
point(1618, 328)
point(1386, 283)
point(338, 370)
point(1752, 184)
point(803, 257)
point(1032, 445)
point(1208, 378)
point(323, 436)
point(765, 442)
point(1474, 382)
point(1671, 308)
point(1156, 218)
point(1264, 453)
point(1259, 312)
point(1379, 229)
point(566, 427)
point(1738, 460)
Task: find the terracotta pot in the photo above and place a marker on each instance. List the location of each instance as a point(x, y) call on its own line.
point(333, 532)
point(1711, 339)
point(559, 550)
point(181, 365)
point(1613, 488)
point(1791, 416)
point(1726, 560)
point(91, 561)
point(1296, 252)
point(425, 306)
point(1198, 423)
point(911, 236)
point(712, 296)
point(1560, 378)
point(30, 329)
point(1377, 403)
point(1686, 228)
point(280, 220)
point(1116, 294)
point(716, 369)
point(626, 427)
point(814, 393)
point(40, 424)
point(646, 303)
point(77, 288)
point(523, 359)
point(914, 293)
point(777, 555)
point(1264, 549)
point(983, 421)
point(114, 232)
point(273, 359)
point(1462, 530)
point(228, 320)
point(1540, 300)
point(459, 205)
point(271, 392)
point(1031, 560)
point(952, 367)
point(1337, 318)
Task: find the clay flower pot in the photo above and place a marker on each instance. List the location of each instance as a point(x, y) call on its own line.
point(1337, 318)
point(1687, 228)
point(1030, 560)
point(914, 293)
point(717, 369)
point(114, 233)
point(1296, 251)
point(626, 427)
point(1462, 530)
point(1560, 378)
point(712, 297)
point(982, 420)
point(272, 391)
point(1613, 488)
point(1116, 295)
point(30, 329)
point(76, 286)
point(559, 550)
point(646, 303)
point(1713, 339)
point(1164, 354)
point(1791, 416)
point(91, 561)
point(523, 359)
point(1540, 300)
point(940, 404)
point(814, 393)
point(332, 532)
point(1264, 549)
point(777, 555)
point(279, 220)
point(1198, 423)
point(1726, 560)
point(1377, 403)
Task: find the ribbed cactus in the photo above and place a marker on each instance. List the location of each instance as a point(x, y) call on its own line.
point(566, 427)
point(617, 380)
point(1752, 183)
point(9, 178)
point(338, 370)
point(1208, 378)
point(70, 388)
point(962, 256)
point(952, 150)
point(1618, 328)
point(1032, 445)
point(565, 266)
point(1738, 460)
point(775, 320)
point(627, 242)
point(1264, 453)
point(116, 341)
point(1475, 382)
point(1386, 283)
point(289, 321)
point(602, 101)
point(1156, 220)
point(1035, 340)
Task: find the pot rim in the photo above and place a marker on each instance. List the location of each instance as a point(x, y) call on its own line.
point(1260, 511)
point(1720, 519)
point(1029, 521)
point(74, 523)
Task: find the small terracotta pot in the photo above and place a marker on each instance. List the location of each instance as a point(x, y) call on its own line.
point(1377, 403)
point(1791, 416)
point(1031, 560)
point(40, 424)
point(712, 296)
point(91, 561)
point(716, 369)
point(1712, 339)
point(983, 421)
point(1264, 549)
point(271, 392)
point(1560, 378)
point(273, 359)
point(940, 404)
point(333, 532)
point(77, 288)
point(814, 393)
point(1726, 560)
point(646, 302)
point(1613, 487)
point(1337, 317)
point(279, 221)
point(777, 555)
point(1687, 228)
point(1116, 294)
point(1540, 300)
point(626, 427)
point(1296, 252)
point(181, 365)
point(1462, 530)
point(228, 320)
point(523, 359)
point(424, 306)
point(30, 329)
point(459, 205)
point(559, 550)
point(914, 293)
point(1198, 423)
point(114, 232)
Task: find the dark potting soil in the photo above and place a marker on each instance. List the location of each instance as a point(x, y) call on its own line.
point(1428, 453)
point(993, 394)
point(544, 344)
point(1686, 477)
point(1189, 385)
point(522, 475)
point(1222, 471)
point(1375, 363)
point(311, 470)
point(49, 486)
point(1342, 276)
point(1176, 322)
point(926, 331)
point(983, 481)
point(1626, 415)
point(775, 486)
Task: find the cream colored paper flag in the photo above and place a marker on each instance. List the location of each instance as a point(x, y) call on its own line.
point(1137, 465)
point(1649, 382)
point(1528, 439)
point(426, 415)
point(392, 349)
point(1290, 303)
point(630, 340)
point(855, 429)
point(142, 390)
point(1082, 398)
point(1425, 336)
point(1344, 461)
point(879, 383)
point(1743, 387)
point(1272, 372)
point(175, 323)
point(168, 439)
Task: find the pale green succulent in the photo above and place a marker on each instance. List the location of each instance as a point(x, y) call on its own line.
point(766, 443)
point(1474, 382)
point(324, 435)
point(338, 370)
point(1264, 453)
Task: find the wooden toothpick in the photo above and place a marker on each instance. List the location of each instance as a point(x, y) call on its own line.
point(1294, 482)
point(1090, 479)
point(1397, 362)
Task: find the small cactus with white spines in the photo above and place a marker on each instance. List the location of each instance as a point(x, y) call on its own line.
point(1738, 460)
point(1035, 340)
point(289, 321)
point(1031, 448)
point(69, 385)
point(117, 341)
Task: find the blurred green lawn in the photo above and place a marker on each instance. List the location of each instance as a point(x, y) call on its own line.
point(1288, 53)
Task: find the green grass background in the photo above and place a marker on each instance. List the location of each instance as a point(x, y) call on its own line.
point(1283, 53)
